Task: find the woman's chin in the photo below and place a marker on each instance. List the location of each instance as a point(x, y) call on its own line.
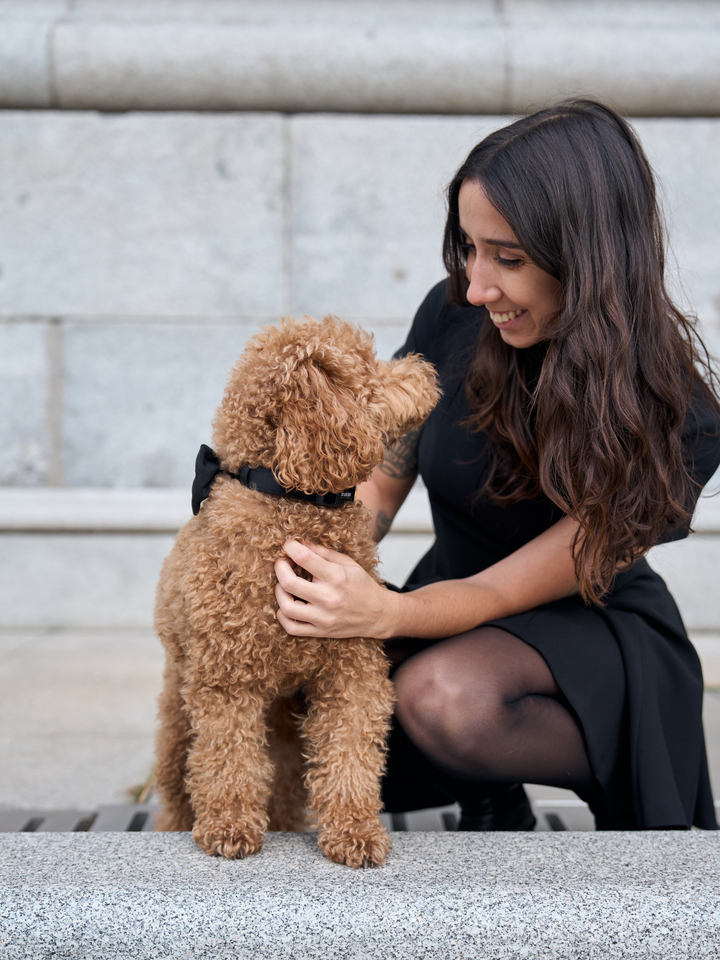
point(520, 339)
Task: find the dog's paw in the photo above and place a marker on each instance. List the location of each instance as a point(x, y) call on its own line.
point(232, 842)
point(364, 844)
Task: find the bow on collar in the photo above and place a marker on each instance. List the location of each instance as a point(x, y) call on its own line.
point(207, 466)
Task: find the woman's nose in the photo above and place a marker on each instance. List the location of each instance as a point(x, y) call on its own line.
point(482, 289)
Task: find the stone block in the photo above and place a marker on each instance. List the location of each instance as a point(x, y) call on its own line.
point(684, 154)
point(690, 569)
point(366, 56)
point(400, 553)
point(139, 399)
point(707, 644)
point(643, 67)
point(83, 580)
point(356, 57)
point(94, 509)
point(77, 715)
point(368, 209)
point(24, 80)
point(389, 335)
point(440, 895)
point(169, 215)
point(711, 724)
point(24, 403)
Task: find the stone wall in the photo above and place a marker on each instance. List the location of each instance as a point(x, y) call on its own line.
point(372, 56)
point(139, 250)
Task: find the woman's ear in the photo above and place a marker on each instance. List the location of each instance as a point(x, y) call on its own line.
point(407, 392)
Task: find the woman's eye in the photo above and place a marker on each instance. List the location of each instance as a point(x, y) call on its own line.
point(507, 263)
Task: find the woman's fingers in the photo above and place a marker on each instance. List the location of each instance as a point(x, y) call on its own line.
point(342, 599)
point(297, 628)
point(292, 610)
point(301, 618)
point(317, 560)
point(293, 584)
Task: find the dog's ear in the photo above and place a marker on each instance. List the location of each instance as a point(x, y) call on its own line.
point(324, 440)
point(406, 392)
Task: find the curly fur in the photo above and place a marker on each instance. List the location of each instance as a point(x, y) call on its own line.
point(256, 726)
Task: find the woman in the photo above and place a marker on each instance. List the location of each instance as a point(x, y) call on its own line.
point(574, 433)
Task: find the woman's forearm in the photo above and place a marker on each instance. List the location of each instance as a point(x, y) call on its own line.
point(343, 600)
point(540, 571)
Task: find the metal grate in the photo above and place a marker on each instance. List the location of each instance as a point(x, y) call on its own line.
point(127, 817)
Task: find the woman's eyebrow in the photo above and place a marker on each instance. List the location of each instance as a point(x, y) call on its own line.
point(512, 244)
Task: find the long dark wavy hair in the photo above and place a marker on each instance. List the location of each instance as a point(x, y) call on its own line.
point(599, 432)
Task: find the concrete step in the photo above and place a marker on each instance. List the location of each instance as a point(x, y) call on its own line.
point(89, 557)
point(77, 721)
point(440, 896)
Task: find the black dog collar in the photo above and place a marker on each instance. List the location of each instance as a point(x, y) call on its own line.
point(207, 467)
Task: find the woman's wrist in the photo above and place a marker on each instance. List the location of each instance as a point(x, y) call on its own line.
point(412, 614)
point(388, 623)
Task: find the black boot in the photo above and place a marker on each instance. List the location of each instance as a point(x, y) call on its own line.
point(498, 806)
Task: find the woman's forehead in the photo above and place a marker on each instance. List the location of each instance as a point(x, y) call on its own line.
point(483, 220)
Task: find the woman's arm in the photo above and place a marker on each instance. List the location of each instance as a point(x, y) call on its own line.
point(385, 492)
point(540, 571)
point(344, 601)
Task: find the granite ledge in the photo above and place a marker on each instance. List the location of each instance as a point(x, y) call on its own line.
point(439, 896)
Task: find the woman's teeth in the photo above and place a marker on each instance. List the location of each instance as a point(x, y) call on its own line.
point(504, 317)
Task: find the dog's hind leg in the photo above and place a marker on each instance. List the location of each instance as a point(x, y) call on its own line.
point(289, 794)
point(229, 771)
point(346, 727)
point(171, 749)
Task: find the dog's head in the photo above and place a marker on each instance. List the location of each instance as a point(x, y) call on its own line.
point(310, 401)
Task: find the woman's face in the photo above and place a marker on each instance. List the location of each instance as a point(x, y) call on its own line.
point(519, 296)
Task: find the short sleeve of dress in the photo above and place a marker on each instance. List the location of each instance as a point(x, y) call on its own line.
point(423, 335)
point(701, 453)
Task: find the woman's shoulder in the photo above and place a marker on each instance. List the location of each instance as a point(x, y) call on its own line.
point(438, 323)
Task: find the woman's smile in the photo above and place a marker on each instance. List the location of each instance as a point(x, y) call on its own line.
point(502, 319)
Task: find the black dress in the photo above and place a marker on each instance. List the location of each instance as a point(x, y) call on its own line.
point(627, 669)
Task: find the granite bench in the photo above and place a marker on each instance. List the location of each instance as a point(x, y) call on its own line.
point(440, 895)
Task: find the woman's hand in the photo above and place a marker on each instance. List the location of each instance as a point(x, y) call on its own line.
point(342, 600)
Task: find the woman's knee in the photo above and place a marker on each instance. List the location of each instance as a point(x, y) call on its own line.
point(438, 700)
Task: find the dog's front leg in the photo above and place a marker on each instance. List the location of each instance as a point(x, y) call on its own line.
point(229, 772)
point(171, 748)
point(345, 731)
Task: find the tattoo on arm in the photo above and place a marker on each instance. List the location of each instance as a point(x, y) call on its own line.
point(401, 461)
point(382, 524)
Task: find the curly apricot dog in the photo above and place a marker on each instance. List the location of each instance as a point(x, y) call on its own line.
point(257, 725)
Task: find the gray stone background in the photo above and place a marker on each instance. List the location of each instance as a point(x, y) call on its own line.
point(175, 174)
point(140, 250)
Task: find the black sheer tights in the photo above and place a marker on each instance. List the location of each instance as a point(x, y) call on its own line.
point(484, 706)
